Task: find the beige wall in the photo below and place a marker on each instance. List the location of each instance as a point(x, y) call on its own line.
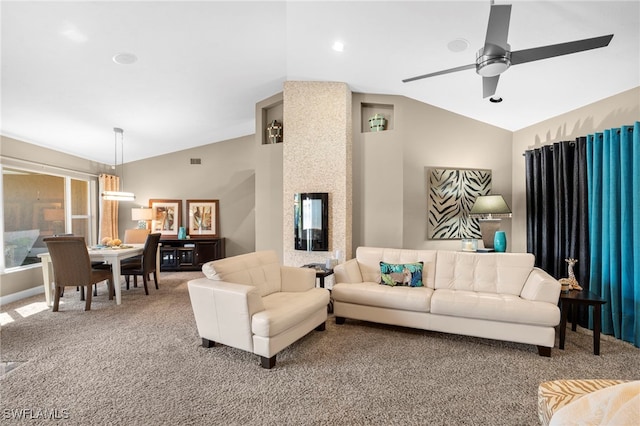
point(269, 217)
point(611, 112)
point(226, 173)
point(390, 191)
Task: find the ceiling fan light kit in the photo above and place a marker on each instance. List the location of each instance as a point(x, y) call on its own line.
point(492, 65)
point(495, 57)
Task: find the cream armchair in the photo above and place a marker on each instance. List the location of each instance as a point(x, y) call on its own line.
point(251, 302)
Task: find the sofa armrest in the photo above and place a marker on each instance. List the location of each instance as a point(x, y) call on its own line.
point(542, 287)
point(348, 272)
point(297, 279)
point(223, 311)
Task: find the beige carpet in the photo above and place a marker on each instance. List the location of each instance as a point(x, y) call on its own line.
point(142, 363)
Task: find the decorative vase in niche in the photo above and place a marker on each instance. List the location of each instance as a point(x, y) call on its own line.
point(500, 241)
point(274, 132)
point(377, 123)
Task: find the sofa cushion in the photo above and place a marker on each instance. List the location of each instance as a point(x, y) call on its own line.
point(260, 269)
point(503, 273)
point(369, 261)
point(404, 298)
point(493, 307)
point(283, 310)
point(407, 274)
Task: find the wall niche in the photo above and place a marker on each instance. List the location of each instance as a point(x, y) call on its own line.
point(268, 111)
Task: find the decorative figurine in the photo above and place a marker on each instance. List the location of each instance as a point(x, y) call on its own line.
point(274, 132)
point(571, 281)
point(377, 123)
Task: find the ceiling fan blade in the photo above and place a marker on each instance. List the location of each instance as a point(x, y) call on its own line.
point(450, 70)
point(544, 52)
point(489, 85)
point(495, 43)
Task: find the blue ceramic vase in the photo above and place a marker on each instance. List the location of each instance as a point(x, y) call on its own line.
point(500, 241)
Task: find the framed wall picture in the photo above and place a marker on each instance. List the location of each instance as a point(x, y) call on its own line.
point(450, 196)
point(203, 218)
point(166, 217)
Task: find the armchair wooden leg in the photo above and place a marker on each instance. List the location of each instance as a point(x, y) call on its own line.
point(339, 320)
point(321, 327)
point(206, 343)
point(268, 363)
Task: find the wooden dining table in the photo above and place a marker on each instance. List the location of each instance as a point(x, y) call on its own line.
point(109, 255)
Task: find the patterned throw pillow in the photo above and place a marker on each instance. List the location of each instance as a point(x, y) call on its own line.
point(406, 274)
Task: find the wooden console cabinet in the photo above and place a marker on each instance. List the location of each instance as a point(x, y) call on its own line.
point(189, 254)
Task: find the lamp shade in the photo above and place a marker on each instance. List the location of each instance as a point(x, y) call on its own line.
point(140, 214)
point(490, 206)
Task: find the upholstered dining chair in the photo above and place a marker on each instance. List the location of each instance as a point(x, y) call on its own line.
point(72, 267)
point(145, 266)
point(135, 236)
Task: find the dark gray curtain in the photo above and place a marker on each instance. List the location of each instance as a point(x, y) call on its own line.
point(557, 209)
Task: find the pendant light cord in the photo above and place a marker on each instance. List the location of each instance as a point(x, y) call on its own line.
point(117, 130)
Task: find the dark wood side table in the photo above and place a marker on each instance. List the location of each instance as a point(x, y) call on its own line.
point(581, 298)
point(321, 273)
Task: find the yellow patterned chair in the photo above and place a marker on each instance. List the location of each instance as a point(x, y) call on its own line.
point(556, 394)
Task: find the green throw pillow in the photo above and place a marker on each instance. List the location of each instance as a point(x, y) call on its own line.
point(406, 274)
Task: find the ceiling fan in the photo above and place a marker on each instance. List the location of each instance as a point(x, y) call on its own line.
point(496, 56)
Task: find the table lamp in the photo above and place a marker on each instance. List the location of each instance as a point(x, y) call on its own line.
point(489, 209)
point(142, 215)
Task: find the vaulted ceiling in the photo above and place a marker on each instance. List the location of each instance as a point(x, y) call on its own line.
point(202, 66)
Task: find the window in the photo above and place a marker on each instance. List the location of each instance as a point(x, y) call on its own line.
point(37, 205)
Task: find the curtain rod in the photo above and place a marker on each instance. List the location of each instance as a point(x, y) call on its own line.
point(550, 145)
point(43, 165)
point(572, 143)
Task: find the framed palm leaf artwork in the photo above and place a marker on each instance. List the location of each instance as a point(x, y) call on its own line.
point(203, 218)
point(166, 216)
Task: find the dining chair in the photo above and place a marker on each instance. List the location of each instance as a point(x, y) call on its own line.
point(135, 236)
point(72, 267)
point(145, 266)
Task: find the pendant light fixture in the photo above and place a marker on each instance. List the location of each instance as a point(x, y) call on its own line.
point(118, 195)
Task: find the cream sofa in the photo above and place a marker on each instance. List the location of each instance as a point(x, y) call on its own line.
point(491, 295)
point(251, 302)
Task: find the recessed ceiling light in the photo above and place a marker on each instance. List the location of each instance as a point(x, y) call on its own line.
point(458, 45)
point(124, 58)
point(72, 32)
point(338, 46)
point(495, 100)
